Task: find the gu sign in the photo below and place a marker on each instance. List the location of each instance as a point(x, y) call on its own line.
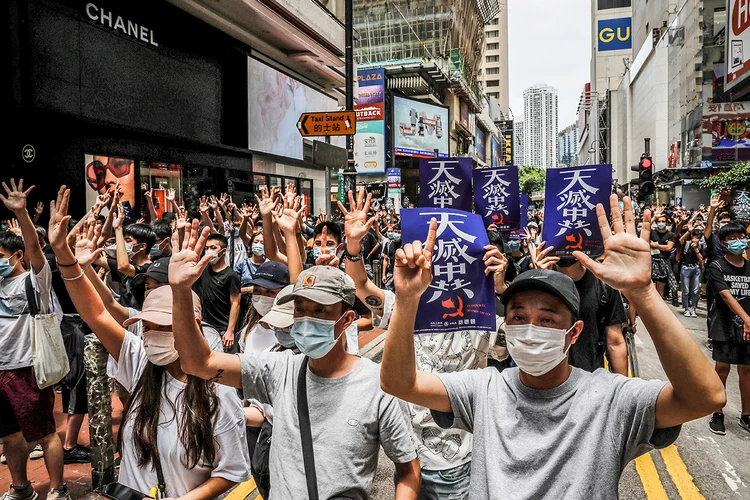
point(615, 34)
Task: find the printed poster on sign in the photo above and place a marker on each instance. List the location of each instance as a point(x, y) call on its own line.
point(419, 129)
point(737, 44)
point(104, 173)
point(524, 207)
point(460, 296)
point(571, 195)
point(369, 141)
point(741, 206)
point(445, 183)
point(496, 197)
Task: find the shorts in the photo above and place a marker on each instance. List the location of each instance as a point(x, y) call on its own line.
point(24, 407)
point(76, 402)
point(660, 270)
point(732, 353)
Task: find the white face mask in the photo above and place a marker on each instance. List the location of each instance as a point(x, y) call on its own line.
point(262, 304)
point(536, 349)
point(214, 256)
point(111, 251)
point(159, 347)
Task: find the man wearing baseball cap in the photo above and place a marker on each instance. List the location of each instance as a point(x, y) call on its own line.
point(350, 416)
point(547, 429)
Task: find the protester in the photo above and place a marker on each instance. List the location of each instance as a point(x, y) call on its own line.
point(350, 416)
point(26, 412)
point(269, 280)
point(200, 444)
point(693, 250)
point(662, 243)
point(525, 439)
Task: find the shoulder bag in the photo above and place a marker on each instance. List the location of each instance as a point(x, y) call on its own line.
point(50, 359)
point(303, 413)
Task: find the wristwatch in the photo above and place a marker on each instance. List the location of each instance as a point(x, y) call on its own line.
point(353, 258)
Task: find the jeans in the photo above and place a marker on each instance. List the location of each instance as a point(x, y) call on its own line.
point(450, 484)
point(691, 286)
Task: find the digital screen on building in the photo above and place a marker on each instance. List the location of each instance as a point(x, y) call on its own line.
point(419, 128)
point(613, 4)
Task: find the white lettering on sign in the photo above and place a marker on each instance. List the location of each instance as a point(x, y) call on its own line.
point(128, 28)
point(575, 202)
point(442, 185)
point(451, 257)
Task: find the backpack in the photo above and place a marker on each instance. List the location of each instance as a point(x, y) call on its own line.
point(259, 463)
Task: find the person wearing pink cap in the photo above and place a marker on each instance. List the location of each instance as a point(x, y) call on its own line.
point(197, 436)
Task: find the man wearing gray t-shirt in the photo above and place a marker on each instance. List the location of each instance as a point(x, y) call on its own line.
point(546, 429)
point(350, 416)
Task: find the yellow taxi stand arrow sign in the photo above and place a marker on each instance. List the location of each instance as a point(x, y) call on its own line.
point(328, 123)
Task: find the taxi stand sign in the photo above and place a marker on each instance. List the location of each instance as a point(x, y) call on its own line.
point(330, 123)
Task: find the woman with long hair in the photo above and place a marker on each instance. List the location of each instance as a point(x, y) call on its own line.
point(193, 428)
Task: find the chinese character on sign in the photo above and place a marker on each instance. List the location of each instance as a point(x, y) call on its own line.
point(451, 256)
point(495, 192)
point(742, 205)
point(576, 204)
point(445, 183)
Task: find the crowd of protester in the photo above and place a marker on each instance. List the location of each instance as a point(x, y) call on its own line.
point(233, 341)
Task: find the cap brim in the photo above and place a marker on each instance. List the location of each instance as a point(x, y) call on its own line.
point(158, 318)
point(319, 296)
point(266, 283)
point(278, 319)
point(526, 285)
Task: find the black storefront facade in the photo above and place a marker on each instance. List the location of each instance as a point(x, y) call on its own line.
point(91, 86)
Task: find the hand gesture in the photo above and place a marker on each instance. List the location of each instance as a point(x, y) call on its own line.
point(327, 257)
point(39, 209)
point(85, 248)
point(187, 265)
point(495, 264)
point(412, 273)
point(266, 204)
point(290, 194)
point(356, 224)
point(15, 200)
point(231, 207)
point(170, 195)
point(213, 203)
point(182, 219)
point(119, 217)
point(14, 228)
point(288, 220)
point(57, 231)
point(149, 195)
point(322, 217)
point(222, 200)
point(203, 206)
point(716, 202)
point(627, 258)
point(539, 257)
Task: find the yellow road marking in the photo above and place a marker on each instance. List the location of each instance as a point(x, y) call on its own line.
point(678, 470)
point(243, 490)
point(650, 478)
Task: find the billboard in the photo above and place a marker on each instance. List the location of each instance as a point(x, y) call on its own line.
point(495, 152)
point(738, 34)
point(369, 142)
point(275, 102)
point(419, 128)
point(480, 142)
point(726, 132)
point(615, 34)
point(508, 153)
point(103, 173)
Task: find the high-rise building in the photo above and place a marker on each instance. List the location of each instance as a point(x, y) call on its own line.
point(493, 73)
point(518, 136)
point(567, 145)
point(540, 125)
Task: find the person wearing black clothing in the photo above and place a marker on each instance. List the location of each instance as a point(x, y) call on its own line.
point(693, 249)
point(729, 318)
point(219, 289)
point(715, 250)
point(602, 314)
point(662, 243)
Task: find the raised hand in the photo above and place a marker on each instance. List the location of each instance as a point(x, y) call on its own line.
point(39, 209)
point(495, 263)
point(213, 203)
point(187, 265)
point(119, 217)
point(203, 206)
point(222, 200)
point(716, 202)
point(170, 195)
point(412, 273)
point(14, 228)
point(266, 204)
point(539, 257)
point(356, 224)
point(182, 219)
point(15, 200)
point(85, 248)
point(288, 220)
point(327, 257)
point(627, 257)
point(290, 194)
point(57, 231)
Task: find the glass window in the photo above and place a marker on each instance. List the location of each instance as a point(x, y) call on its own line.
point(493, 34)
point(490, 59)
point(613, 4)
point(493, 46)
point(159, 178)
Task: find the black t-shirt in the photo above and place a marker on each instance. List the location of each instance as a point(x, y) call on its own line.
point(601, 306)
point(689, 255)
point(368, 243)
point(132, 295)
point(721, 276)
point(716, 250)
point(215, 290)
point(662, 239)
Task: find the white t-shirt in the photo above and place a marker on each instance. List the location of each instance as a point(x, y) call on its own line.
point(232, 461)
point(15, 334)
point(438, 448)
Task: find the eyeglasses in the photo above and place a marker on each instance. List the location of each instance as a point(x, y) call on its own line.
point(96, 171)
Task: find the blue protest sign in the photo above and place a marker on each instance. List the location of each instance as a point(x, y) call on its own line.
point(496, 197)
point(460, 297)
point(571, 195)
point(521, 234)
point(445, 183)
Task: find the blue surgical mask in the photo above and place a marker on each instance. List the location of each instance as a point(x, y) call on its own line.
point(737, 246)
point(660, 226)
point(258, 249)
point(155, 251)
point(5, 267)
point(514, 245)
point(314, 336)
point(316, 251)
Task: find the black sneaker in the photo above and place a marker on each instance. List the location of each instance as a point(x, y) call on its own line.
point(717, 424)
point(745, 422)
point(77, 455)
point(710, 345)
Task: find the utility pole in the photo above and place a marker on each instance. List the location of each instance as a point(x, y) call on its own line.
point(350, 172)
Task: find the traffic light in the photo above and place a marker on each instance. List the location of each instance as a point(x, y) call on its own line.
point(645, 176)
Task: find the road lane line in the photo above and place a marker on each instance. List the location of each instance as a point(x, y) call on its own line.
point(650, 478)
point(243, 490)
point(678, 470)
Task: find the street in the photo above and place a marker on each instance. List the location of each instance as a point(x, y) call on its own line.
point(700, 465)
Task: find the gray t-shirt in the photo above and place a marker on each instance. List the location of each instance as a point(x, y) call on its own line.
point(572, 441)
point(350, 418)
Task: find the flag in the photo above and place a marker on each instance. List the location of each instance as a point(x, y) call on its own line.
point(445, 183)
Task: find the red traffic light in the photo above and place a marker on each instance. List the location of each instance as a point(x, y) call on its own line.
point(646, 163)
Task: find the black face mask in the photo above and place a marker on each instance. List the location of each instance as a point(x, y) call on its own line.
point(566, 261)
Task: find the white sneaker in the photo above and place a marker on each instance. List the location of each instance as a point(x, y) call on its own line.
point(37, 452)
point(692, 313)
point(686, 313)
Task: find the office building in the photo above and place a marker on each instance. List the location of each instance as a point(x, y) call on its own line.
point(540, 125)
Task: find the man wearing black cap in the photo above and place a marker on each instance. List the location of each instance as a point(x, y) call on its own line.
point(350, 416)
point(546, 429)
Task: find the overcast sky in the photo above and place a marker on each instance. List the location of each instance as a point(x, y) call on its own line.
point(549, 42)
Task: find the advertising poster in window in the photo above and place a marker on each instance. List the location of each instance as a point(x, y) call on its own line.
point(369, 141)
point(419, 128)
point(103, 174)
point(737, 43)
point(480, 143)
point(495, 151)
point(275, 103)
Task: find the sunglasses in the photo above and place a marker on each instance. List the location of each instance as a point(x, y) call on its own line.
point(96, 171)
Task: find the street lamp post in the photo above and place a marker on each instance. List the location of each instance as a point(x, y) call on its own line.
point(350, 172)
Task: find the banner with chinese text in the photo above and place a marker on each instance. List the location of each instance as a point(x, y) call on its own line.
point(460, 296)
point(496, 197)
point(521, 234)
point(570, 199)
point(445, 183)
